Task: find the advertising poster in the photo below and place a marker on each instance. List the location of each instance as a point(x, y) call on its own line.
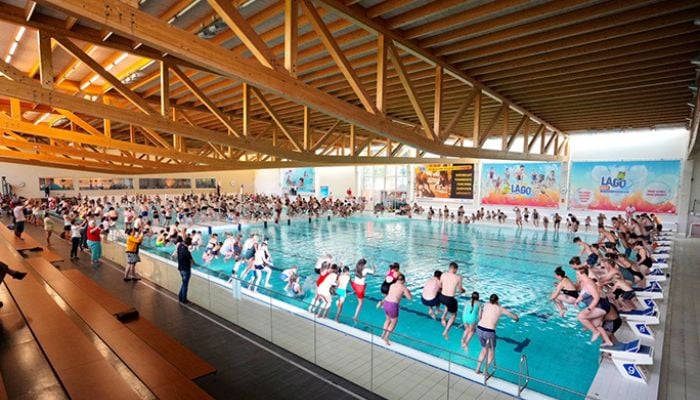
point(158, 183)
point(105, 183)
point(205, 183)
point(298, 180)
point(56, 183)
point(521, 184)
point(324, 192)
point(648, 186)
point(445, 181)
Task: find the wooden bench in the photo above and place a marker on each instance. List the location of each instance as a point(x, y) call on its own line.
point(190, 364)
point(161, 377)
point(83, 371)
point(29, 244)
point(3, 391)
point(26, 243)
point(44, 253)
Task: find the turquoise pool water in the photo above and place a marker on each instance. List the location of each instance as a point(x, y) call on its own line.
point(516, 265)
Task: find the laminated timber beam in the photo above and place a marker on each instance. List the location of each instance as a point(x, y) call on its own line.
point(357, 15)
point(155, 33)
point(36, 94)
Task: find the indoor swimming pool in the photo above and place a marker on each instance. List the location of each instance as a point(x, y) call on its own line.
point(516, 265)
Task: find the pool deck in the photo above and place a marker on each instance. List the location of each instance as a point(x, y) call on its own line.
point(675, 342)
point(246, 370)
point(681, 361)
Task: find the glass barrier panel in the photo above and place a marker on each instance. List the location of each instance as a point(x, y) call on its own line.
point(398, 376)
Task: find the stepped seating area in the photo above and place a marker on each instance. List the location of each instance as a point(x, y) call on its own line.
point(60, 316)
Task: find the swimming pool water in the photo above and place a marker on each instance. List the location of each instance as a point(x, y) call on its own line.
point(517, 265)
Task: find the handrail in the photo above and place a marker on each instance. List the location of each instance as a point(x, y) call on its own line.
point(521, 385)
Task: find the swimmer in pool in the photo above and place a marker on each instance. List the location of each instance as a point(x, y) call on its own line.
point(391, 303)
point(486, 331)
point(564, 292)
point(450, 283)
point(471, 310)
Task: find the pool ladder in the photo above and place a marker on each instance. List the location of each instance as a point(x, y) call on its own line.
point(523, 379)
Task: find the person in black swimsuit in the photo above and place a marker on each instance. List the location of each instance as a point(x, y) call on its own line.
point(564, 292)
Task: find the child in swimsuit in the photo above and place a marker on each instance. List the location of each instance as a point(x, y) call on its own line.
point(470, 316)
point(342, 290)
point(358, 284)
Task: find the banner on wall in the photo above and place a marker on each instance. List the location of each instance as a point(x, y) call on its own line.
point(56, 183)
point(323, 192)
point(167, 183)
point(298, 180)
point(205, 183)
point(521, 184)
point(105, 183)
point(648, 186)
point(445, 181)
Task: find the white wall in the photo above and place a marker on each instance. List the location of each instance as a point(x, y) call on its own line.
point(661, 144)
point(29, 175)
point(338, 180)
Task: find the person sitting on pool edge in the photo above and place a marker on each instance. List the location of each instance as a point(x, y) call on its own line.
point(486, 331)
point(450, 282)
point(431, 290)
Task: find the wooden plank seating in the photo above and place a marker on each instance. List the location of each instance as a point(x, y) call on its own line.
point(161, 377)
point(83, 371)
point(190, 364)
point(3, 391)
point(44, 253)
point(28, 243)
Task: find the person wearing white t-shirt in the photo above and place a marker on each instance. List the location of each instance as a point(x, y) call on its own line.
point(18, 213)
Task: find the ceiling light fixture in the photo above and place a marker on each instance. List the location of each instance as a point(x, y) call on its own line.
point(41, 119)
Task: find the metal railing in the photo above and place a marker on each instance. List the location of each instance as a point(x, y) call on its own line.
point(454, 361)
point(522, 377)
point(523, 365)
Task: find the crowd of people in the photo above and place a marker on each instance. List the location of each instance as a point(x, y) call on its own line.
point(605, 276)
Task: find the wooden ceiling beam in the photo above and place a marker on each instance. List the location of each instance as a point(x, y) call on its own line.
point(601, 74)
point(458, 115)
point(410, 91)
point(149, 30)
point(280, 123)
point(613, 57)
point(205, 100)
point(492, 64)
point(616, 33)
point(377, 27)
point(336, 53)
point(243, 31)
point(595, 17)
point(426, 11)
point(458, 19)
point(615, 81)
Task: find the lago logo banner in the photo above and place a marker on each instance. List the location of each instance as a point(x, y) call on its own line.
point(648, 186)
point(521, 184)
